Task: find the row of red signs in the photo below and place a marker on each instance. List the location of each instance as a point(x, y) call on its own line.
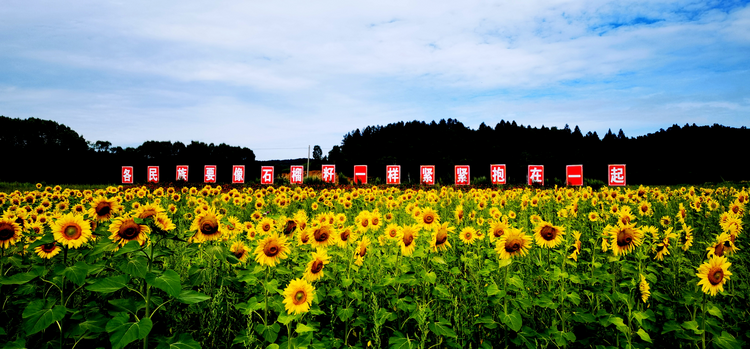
point(535, 174)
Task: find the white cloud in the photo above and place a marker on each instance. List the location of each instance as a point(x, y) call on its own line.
point(306, 73)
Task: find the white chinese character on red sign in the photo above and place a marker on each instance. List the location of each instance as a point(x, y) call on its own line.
point(238, 174)
point(536, 174)
point(295, 174)
point(574, 175)
point(462, 175)
point(360, 174)
point(427, 174)
point(153, 174)
point(182, 173)
point(616, 174)
point(393, 174)
point(127, 174)
point(209, 174)
point(497, 173)
point(329, 173)
point(266, 175)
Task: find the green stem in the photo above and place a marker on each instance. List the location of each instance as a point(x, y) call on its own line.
point(703, 325)
point(265, 316)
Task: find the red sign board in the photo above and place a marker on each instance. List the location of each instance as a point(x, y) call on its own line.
point(266, 175)
point(360, 174)
point(616, 175)
point(536, 174)
point(462, 175)
point(497, 173)
point(329, 173)
point(574, 175)
point(209, 174)
point(152, 174)
point(427, 174)
point(127, 175)
point(393, 174)
point(296, 173)
point(238, 174)
point(182, 173)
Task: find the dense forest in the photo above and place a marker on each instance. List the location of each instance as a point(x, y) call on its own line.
point(690, 154)
point(36, 150)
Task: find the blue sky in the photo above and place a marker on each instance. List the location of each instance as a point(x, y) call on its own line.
point(277, 76)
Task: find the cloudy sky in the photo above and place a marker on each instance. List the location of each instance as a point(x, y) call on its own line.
point(277, 76)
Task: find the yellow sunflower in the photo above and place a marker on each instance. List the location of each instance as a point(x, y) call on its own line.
point(644, 289)
point(298, 296)
point(497, 230)
point(407, 235)
point(71, 230)
point(361, 251)
point(714, 274)
point(439, 241)
point(428, 219)
point(10, 232)
point(265, 226)
point(514, 243)
point(124, 229)
point(48, 251)
point(391, 231)
point(576, 246)
point(163, 222)
point(207, 227)
point(323, 236)
point(271, 250)
point(548, 235)
point(724, 245)
point(240, 251)
point(624, 238)
point(102, 209)
point(468, 235)
point(314, 270)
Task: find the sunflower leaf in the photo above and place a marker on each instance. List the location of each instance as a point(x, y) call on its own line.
point(109, 284)
point(77, 273)
point(644, 336)
point(22, 278)
point(18, 344)
point(169, 282)
point(122, 332)
point(269, 333)
point(726, 341)
point(618, 322)
point(512, 320)
point(692, 325)
point(131, 246)
point(302, 328)
point(442, 328)
point(715, 311)
point(136, 267)
point(38, 315)
point(192, 297)
point(399, 341)
point(183, 341)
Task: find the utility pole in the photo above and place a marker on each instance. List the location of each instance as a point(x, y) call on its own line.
point(308, 161)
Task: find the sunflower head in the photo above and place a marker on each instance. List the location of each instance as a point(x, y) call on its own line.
point(10, 232)
point(714, 274)
point(71, 230)
point(271, 250)
point(207, 226)
point(298, 296)
point(514, 243)
point(124, 229)
point(548, 235)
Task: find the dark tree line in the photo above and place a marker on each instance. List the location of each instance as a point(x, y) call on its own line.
point(689, 154)
point(36, 150)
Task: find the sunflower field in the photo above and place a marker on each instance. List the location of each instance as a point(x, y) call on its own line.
point(382, 267)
